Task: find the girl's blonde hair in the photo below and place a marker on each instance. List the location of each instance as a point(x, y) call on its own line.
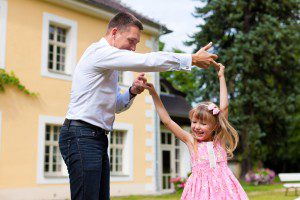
point(223, 131)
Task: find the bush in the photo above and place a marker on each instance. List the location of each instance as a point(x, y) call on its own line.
point(260, 176)
point(178, 182)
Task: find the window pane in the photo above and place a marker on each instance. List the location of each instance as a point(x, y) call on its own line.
point(116, 151)
point(47, 150)
point(57, 66)
point(50, 65)
point(54, 150)
point(168, 181)
point(52, 158)
point(57, 48)
point(51, 48)
point(169, 138)
point(163, 138)
point(117, 156)
point(111, 138)
point(64, 39)
point(47, 132)
point(166, 161)
point(177, 142)
point(51, 32)
point(120, 76)
point(177, 167)
point(46, 167)
point(177, 153)
point(121, 138)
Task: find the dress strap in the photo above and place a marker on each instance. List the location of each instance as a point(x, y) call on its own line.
point(211, 155)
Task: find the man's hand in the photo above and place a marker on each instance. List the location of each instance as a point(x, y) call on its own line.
point(138, 85)
point(202, 58)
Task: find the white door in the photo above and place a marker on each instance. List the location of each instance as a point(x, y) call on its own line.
point(170, 154)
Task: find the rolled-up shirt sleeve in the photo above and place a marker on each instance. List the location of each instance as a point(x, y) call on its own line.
point(123, 101)
point(109, 57)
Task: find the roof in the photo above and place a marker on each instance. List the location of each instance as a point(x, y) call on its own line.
point(176, 105)
point(174, 101)
point(116, 6)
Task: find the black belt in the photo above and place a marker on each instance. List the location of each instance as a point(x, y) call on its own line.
point(72, 122)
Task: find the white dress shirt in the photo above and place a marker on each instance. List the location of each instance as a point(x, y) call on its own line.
point(95, 94)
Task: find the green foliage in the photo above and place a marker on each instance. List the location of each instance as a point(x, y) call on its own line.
point(10, 79)
point(258, 42)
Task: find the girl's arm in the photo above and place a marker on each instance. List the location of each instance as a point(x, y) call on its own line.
point(223, 91)
point(166, 119)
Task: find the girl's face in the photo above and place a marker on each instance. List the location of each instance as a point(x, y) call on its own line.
point(201, 129)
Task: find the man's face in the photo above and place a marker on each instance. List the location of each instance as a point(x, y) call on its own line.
point(127, 38)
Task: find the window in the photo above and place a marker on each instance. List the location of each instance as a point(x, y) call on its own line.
point(170, 158)
point(3, 18)
point(177, 157)
point(125, 79)
point(116, 152)
point(57, 49)
point(59, 46)
point(52, 157)
point(120, 77)
point(166, 138)
point(121, 152)
point(51, 167)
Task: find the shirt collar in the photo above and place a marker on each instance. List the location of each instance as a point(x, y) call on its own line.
point(104, 42)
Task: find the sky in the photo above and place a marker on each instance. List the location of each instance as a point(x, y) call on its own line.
point(176, 15)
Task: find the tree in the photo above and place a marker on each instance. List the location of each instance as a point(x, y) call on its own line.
point(258, 42)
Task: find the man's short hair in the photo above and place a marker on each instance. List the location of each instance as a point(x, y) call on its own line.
point(123, 20)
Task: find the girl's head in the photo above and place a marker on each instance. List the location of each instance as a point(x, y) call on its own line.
point(208, 123)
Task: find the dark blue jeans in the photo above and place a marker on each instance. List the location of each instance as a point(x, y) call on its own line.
point(84, 151)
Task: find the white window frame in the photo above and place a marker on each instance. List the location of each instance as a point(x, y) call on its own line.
point(127, 153)
point(62, 45)
point(3, 22)
point(116, 146)
point(41, 178)
point(71, 41)
point(128, 78)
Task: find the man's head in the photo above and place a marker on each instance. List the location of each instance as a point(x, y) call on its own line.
point(123, 31)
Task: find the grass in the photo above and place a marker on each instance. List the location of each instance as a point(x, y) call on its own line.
point(262, 195)
point(263, 192)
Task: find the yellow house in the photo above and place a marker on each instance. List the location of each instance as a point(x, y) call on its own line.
point(41, 41)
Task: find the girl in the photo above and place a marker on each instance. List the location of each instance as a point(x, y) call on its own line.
point(211, 142)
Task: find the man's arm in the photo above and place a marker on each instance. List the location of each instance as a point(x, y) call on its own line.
point(109, 57)
point(124, 101)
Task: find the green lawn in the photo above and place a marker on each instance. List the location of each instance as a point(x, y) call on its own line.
point(263, 192)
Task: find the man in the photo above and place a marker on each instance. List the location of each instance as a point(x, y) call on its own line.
point(95, 98)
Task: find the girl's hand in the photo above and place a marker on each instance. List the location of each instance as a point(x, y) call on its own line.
point(150, 88)
point(221, 70)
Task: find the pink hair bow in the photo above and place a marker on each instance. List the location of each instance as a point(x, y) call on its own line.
point(214, 108)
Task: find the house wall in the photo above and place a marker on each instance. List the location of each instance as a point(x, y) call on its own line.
point(21, 114)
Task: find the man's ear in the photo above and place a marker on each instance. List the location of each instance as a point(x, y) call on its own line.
point(114, 32)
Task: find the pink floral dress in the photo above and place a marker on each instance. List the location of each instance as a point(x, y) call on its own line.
point(211, 177)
